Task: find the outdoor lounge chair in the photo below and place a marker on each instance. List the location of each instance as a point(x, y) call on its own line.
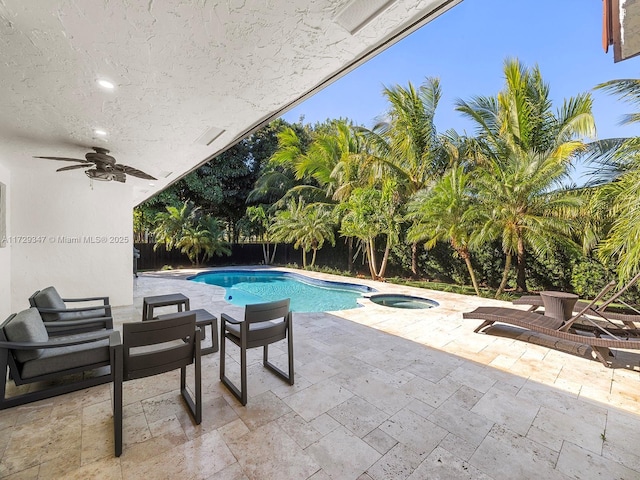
point(625, 324)
point(29, 353)
point(154, 347)
point(556, 327)
point(53, 308)
point(264, 324)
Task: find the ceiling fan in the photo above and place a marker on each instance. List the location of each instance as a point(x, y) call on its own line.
point(101, 166)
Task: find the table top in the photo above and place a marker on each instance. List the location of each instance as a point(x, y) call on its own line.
point(555, 294)
point(171, 298)
point(202, 315)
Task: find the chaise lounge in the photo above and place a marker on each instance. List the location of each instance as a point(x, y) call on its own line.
point(624, 324)
point(600, 343)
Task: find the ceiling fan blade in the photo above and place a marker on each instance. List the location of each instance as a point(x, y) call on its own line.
point(71, 167)
point(134, 172)
point(65, 159)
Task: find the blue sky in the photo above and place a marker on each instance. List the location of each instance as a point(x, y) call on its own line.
point(466, 48)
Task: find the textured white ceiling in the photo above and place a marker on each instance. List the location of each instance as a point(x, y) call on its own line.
point(180, 67)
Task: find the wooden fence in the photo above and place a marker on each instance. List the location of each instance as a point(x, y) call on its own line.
point(241, 254)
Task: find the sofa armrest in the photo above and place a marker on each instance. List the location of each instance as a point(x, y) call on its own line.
point(87, 299)
point(114, 339)
point(102, 308)
point(97, 323)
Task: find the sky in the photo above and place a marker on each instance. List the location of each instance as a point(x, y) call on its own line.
point(466, 48)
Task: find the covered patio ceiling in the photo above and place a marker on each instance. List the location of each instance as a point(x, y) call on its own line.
point(190, 78)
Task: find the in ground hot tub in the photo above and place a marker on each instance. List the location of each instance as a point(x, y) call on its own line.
point(403, 301)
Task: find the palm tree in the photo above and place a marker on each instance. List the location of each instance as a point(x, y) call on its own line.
point(523, 205)
point(329, 165)
point(524, 154)
point(200, 242)
point(369, 213)
point(306, 226)
point(440, 214)
point(406, 144)
point(618, 193)
point(170, 225)
point(260, 220)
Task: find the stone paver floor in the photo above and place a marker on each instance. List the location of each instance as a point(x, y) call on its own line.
point(379, 393)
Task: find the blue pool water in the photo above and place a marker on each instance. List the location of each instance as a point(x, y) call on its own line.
point(307, 295)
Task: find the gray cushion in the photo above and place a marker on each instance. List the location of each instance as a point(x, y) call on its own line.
point(27, 326)
point(63, 358)
point(259, 331)
point(98, 312)
point(50, 298)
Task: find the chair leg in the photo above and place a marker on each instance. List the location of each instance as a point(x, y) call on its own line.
point(270, 366)
point(222, 349)
point(198, 376)
point(243, 376)
point(116, 365)
point(4, 355)
point(223, 378)
point(195, 405)
point(602, 354)
point(483, 325)
point(290, 347)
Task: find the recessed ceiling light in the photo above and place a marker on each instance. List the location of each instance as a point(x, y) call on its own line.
point(106, 84)
point(152, 184)
point(97, 131)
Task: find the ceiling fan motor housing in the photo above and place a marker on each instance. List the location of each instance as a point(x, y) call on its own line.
point(106, 176)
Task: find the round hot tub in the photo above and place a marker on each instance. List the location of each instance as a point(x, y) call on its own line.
point(403, 301)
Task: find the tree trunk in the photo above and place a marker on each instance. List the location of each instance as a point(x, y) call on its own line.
point(273, 254)
point(464, 253)
point(304, 258)
point(385, 259)
point(350, 250)
point(521, 278)
point(414, 259)
point(313, 258)
point(265, 253)
point(371, 253)
point(505, 275)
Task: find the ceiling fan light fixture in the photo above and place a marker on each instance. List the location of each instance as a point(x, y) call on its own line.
point(100, 132)
point(105, 176)
point(105, 167)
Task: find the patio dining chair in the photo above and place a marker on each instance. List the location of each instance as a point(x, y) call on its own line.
point(154, 347)
point(263, 324)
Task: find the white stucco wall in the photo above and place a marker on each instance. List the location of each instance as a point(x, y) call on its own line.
point(5, 253)
point(72, 235)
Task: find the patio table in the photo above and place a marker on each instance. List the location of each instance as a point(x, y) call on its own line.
point(558, 304)
point(156, 301)
point(203, 318)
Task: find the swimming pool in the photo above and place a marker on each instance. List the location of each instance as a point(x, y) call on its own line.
point(307, 294)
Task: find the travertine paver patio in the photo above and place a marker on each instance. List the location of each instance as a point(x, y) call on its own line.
point(380, 393)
